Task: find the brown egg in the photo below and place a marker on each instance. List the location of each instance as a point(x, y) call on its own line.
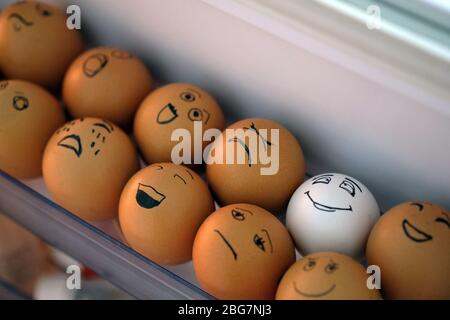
point(107, 83)
point(411, 245)
point(161, 209)
point(326, 276)
point(237, 171)
point(28, 117)
point(86, 165)
point(35, 43)
point(240, 252)
point(175, 106)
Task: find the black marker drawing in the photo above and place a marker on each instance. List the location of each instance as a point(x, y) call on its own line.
point(245, 146)
point(444, 220)
point(72, 142)
point(265, 141)
point(148, 197)
point(419, 205)
point(179, 177)
point(94, 64)
point(331, 267)
point(227, 243)
point(119, 54)
point(324, 179)
point(326, 208)
point(105, 125)
point(167, 114)
point(195, 114)
point(313, 295)
point(189, 173)
point(414, 233)
point(268, 238)
point(310, 264)
point(19, 21)
point(187, 96)
point(43, 11)
point(239, 213)
point(20, 102)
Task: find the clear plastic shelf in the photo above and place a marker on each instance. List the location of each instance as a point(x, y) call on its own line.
point(101, 252)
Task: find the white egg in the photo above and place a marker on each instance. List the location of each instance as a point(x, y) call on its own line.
point(332, 212)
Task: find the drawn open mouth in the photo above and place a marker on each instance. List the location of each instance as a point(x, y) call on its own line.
point(19, 21)
point(313, 295)
point(148, 197)
point(167, 114)
point(72, 142)
point(323, 207)
point(414, 233)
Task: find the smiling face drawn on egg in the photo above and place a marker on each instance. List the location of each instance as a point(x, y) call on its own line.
point(348, 187)
point(311, 265)
point(149, 197)
point(260, 238)
point(418, 217)
point(74, 141)
point(20, 20)
point(188, 100)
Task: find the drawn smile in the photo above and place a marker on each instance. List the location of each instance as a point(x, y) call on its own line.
point(323, 207)
point(313, 295)
point(414, 233)
point(167, 114)
point(148, 197)
point(21, 21)
point(72, 142)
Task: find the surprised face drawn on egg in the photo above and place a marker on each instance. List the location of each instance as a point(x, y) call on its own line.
point(75, 141)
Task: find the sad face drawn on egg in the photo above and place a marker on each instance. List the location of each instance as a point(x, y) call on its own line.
point(413, 228)
point(170, 112)
point(260, 238)
point(19, 21)
point(149, 197)
point(265, 142)
point(74, 142)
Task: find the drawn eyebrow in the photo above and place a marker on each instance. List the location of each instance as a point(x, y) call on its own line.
point(227, 243)
point(245, 146)
point(108, 127)
point(158, 167)
point(353, 183)
point(323, 176)
point(192, 177)
point(194, 91)
point(418, 205)
point(178, 176)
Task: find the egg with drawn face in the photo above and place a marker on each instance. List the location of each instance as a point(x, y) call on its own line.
point(161, 209)
point(28, 117)
point(332, 212)
point(411, 245)
point(86, 164)
point(35, 43)
point(326, 276)
point(176, 106)
point(255, 161)
point(108, 83)
point(240, 252)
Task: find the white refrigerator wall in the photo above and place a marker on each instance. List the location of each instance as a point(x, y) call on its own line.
point(398, 146)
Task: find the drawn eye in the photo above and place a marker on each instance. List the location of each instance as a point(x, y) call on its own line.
point(324, 180)
point(43, 11)
point(195, 114)
point(331, 267)
point(443, 220)
point(259, 241)
point(309, 265)
point(348, 186)
point(20, 103)
point(238, 215)
point(187, 96)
